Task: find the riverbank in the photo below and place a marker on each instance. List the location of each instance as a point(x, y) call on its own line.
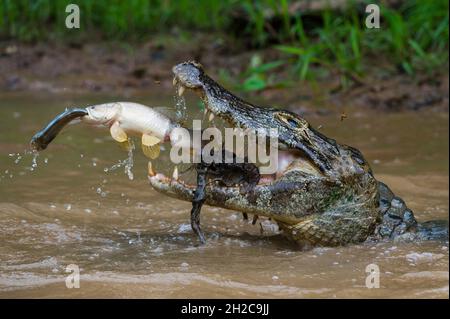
point(145, 67)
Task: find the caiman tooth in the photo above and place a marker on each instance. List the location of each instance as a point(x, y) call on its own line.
point(175, 81)
point(151, 172)
point(181, 90)
point(211, 117)
point(175, 173)
point(255, 218)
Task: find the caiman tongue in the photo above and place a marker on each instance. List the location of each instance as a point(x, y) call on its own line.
point(41, 139)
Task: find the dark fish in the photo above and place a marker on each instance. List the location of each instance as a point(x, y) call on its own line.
point(41, 139)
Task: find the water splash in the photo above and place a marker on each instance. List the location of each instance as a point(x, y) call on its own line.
point(101, 192)
point(127, 163)
point(34, 160)
point(180, 108)
point(18, 168)
point(17, 157)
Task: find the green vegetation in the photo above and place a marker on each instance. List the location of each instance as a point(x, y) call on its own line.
point(257, 76)
point(413, 38)
point(114, 19)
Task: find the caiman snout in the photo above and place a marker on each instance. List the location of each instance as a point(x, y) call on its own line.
point(188, 74)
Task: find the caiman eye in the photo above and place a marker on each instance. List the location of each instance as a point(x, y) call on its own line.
point(292, 123)
point(291, 120)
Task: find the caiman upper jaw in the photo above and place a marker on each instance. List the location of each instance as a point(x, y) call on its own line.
point(293, 132)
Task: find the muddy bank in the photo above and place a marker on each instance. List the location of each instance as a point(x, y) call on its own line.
point(125, 69)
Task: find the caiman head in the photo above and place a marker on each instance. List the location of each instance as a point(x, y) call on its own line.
point(294, 132)
point(323, 192)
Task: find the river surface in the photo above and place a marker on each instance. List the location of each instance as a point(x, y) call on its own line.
point(74, 207)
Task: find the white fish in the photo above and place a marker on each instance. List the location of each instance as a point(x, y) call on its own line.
point(122, 119)
point(126, 118)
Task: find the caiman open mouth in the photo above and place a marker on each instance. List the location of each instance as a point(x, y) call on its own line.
point(238, 114)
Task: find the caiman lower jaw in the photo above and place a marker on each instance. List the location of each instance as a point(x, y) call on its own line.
point(178, 188)
point(218, 196)
point(171, 186)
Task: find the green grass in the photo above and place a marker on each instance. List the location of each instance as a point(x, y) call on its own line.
point(413, 38)
point(114, 19)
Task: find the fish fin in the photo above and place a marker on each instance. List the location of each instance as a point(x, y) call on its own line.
point(118, 133)
point(150, 146)
point(150, 140)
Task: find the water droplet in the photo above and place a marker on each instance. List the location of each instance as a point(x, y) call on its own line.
point(180, 106)
point(34, 161)
point(128, 163)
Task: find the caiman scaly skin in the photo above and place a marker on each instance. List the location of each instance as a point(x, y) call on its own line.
point(327, 196)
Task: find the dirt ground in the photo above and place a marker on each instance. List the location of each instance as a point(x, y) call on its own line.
point(79, 68)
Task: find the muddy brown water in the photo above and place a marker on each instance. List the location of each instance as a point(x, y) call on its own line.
point(130, 241)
